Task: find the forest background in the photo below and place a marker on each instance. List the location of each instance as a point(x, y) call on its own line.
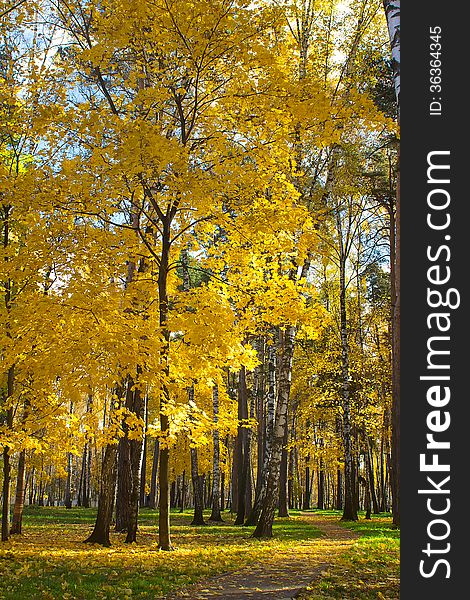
point(198, 213)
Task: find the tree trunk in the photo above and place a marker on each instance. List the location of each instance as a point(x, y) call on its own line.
point(21, 484)
point(249, 477)
point(237, 452)
point(259, 398)
point(270, 409)
point(135, 456)
point(100, 533)
point(164, 540)
point(283, 508)
point(85, 475)
point(307, 492)
point(371, 477)
point(321, 486)
point(183, 491)
point(248, 454)
point(271, 498)
point(242, 448)
point(215, 514)
point(19, 495)
point(392, 13)
point(6, 456)
point(81, 483)
point(124, 484)
point(339, 490)
point(395, 420)
point(290, 480)
point(68, 483)
point(222, 491)
point(143, 466)
point(349, 511)
point(152, 497)
point(367, 501)
point(198, 483)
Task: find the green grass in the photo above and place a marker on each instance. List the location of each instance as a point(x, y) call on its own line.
point(369, 570)
point(51, 562)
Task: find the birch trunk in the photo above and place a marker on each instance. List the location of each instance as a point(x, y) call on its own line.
point(87, 489)
point(215, 514)
point(283, 508)
point(271, 498)
point(259, 398)
point(392, 13)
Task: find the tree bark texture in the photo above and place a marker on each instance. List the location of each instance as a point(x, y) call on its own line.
point(349, 510)
point(7, 458)
point(242, 448)
point(262, 478)
point(215, 514)
point(271, 498)
point(164, 540)
point(100, 533)
point(16, 525)
point(392, 13)
point(152, 497)
point(283, 508)
point(198, 492)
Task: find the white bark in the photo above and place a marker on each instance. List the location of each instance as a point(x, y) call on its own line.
point(392, 13)
point(271, 496)
point(271, 399)
point(215, 516)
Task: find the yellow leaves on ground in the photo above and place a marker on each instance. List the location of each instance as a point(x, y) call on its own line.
point(54, 561)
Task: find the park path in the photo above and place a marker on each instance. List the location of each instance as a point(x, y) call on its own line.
point(284, 575)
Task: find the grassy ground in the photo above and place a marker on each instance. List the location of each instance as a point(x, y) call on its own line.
point(370, 570)
point(49, 561)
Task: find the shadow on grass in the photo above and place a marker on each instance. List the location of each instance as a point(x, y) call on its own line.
point(49, 560)
point(369, 570)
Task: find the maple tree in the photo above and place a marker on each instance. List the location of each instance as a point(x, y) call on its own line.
point(193, 205)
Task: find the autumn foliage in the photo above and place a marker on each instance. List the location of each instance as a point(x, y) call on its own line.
point(196, 205)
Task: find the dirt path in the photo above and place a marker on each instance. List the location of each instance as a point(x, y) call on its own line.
point(283, 576)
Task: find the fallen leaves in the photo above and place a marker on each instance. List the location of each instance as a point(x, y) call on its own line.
point(50, 561)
